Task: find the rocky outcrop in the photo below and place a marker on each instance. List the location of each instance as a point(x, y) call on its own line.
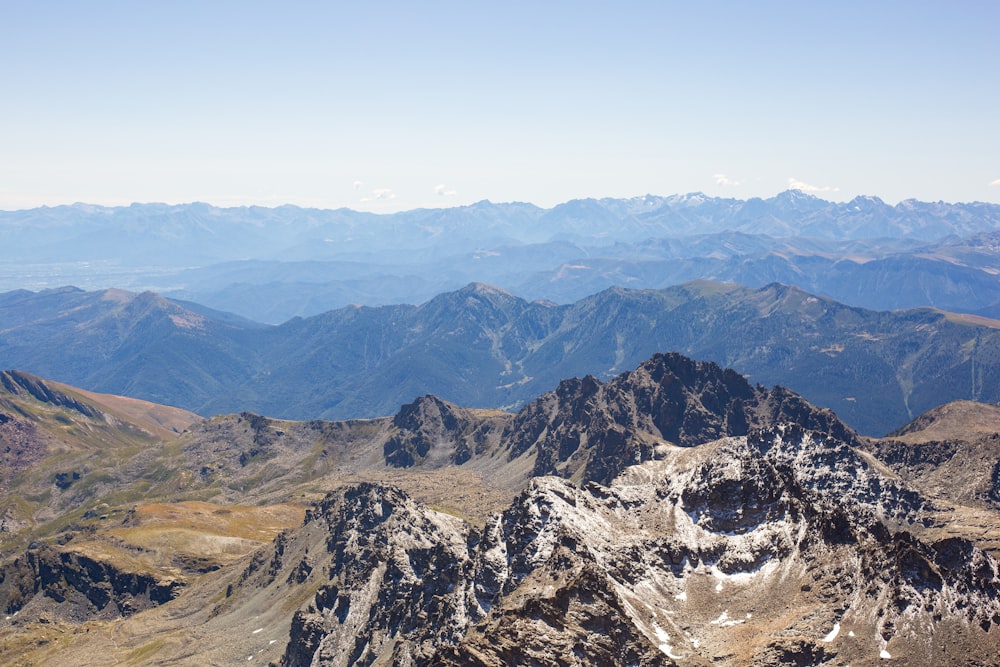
point(764, 549)
point(437, 432)
point(396, 581)
point(17, 382)
point(590, 431)
point(76, 586)
point(21, 445)
point(950, 453)
point(583, 621)
point(587, 430)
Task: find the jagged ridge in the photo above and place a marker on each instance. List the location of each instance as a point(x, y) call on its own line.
point(587, 430)
point(743, 550)
point(705, 521)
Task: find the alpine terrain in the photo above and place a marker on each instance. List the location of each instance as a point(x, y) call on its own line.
point(673, 514)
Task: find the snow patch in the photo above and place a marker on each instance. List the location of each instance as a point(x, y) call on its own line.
point(833, 633)
point(257, 630)
point(682, 596)
point(725, 622)
point(741, 578)
point(663, 638)
point(884, 655)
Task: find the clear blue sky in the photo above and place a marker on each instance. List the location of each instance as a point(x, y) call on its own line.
point(394, 105)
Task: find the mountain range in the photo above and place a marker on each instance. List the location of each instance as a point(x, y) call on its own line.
point(484, 347)
point(618, 432)
point(272, 264)
point(675, 514)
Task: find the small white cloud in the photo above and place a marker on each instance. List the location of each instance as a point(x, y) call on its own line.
point(357, 185)
point(442, 190)
point(996, 183)
point(383, 193)
point(724, 181)
point(796, 184)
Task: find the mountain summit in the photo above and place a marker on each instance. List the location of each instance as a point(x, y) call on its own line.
point(675, 514)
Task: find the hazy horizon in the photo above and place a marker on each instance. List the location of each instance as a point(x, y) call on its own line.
point(444, 205)
point(395, 106)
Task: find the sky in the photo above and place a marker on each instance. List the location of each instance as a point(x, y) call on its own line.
point(387, 106)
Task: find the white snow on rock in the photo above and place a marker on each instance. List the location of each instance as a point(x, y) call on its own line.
point(664, 646)
point(741, 578)
point(833, 633)
point(725, 622)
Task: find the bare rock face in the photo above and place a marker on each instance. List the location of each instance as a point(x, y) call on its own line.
point(582, 622)
point(590, 431)
point(587, 430)
point(964, 470)
point(786, 546)
point(395, 580)
point(436, 432)
point(21, 445)
point(75, 586)
point(17, 382)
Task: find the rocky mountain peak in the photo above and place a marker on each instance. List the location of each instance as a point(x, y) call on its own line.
point(391, 576)
point(783, 546)
point(684, 516)
point(434, 432)
point(587, 430)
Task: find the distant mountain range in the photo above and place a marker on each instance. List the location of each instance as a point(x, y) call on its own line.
point(270, 264)
point(484, 347)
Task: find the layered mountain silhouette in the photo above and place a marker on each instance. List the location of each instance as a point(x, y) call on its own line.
point(193, 233)
point(270, 264)
point(484, 347)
